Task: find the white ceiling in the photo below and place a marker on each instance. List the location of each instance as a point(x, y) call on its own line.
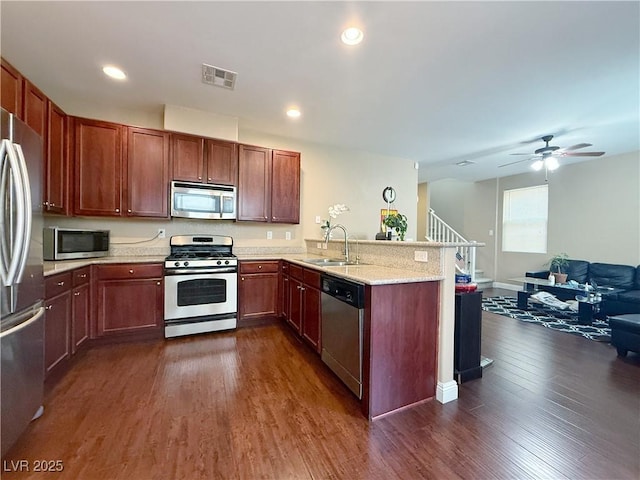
point(435, 82)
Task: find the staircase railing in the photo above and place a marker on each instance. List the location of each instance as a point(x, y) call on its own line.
point(439, 231)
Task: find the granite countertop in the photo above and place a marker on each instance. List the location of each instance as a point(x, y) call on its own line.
point(51, 268)
point(363, 273)
point(367, 274)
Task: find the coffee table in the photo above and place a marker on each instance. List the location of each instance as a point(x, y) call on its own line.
point(533, 285)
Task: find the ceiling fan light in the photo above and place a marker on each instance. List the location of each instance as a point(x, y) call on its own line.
point(537, 165)
point(552, 163)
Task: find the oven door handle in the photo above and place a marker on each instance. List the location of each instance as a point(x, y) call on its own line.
point(195, 271)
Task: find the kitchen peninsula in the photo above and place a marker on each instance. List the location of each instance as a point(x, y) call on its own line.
point(409, 313)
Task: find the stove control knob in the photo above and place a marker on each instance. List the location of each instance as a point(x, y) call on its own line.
point(186, 264)
point(177, 264)
point(219, 262)
point(226, 262)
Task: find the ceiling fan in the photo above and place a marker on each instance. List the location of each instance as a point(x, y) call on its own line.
point(548, 155)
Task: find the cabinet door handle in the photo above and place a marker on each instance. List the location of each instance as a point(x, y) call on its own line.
point(84, 275)
point(242, 278)
point(60, 284)
point(129, 211)
point(46, 204)
point(52, 204)
point(199, 178)
point(158, 283)
point(286, 280)
point(209, 179)
point(77, 294)
point(259, 267)
point(48, 307)
point(130, 271)
point(302, 289)
point(117, 210)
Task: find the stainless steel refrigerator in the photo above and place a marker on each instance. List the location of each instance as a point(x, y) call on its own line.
point(21, 278)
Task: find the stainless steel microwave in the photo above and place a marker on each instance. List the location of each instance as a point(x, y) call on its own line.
point(200, 200)
point(68, 243)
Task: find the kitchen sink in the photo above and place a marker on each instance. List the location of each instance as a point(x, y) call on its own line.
point(329, 262)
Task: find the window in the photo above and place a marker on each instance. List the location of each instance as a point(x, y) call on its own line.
point(524, 220)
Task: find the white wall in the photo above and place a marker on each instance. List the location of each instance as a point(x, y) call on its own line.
point(594, 215)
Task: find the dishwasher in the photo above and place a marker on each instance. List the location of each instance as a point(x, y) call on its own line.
point(342, 329)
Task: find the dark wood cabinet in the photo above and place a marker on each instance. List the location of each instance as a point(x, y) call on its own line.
point(129, 299)
point(56, 179)
point(285, 187)
point(57, 324)
point(283, 291)
point(34, 106)
point(257, 291)
point(268, 185)
point(221, 159)
point(81, 308)
point(11, 88)
point(120, 171)
point(187, 157)
point(67, 319)
point(254, 180)
point(204, 160)
point(311, 308)
point(303, 303)
point(147, 178)
point(98, 168)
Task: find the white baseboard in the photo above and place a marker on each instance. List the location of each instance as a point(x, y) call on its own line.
point(447, 392)
point(507, 286)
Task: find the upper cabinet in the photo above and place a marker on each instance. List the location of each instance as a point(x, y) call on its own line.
point(187, 157)
point(254, 183)
point(268, 185)
point(56, 185)
point(11, 85)
point(98, 168)
point(221, 160)
point(111, 180)
point(147, 161)
point(196, 159)
point(285, 187)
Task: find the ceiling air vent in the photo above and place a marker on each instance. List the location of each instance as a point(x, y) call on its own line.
point(218, 76)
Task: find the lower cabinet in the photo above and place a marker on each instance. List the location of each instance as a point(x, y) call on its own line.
point(67, 300)
point(257, 291)
point(129, 299)
point(301, 302)
point(57, 322)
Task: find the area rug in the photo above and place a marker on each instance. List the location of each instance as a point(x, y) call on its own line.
point(556, 319)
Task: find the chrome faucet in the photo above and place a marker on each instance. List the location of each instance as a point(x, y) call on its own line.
point(346, 238)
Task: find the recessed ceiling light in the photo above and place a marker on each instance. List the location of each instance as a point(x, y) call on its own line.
point(464, 163)
point(293, 113)
point(114, 72)
point(352, 36)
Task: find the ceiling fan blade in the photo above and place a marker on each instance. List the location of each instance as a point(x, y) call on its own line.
point(513, 163)
point(576, 147)
point(583, 154)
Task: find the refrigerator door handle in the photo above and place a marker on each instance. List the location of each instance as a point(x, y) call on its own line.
point(5, 231)
point(28, 215)
point(8, 272)
point(23, 325)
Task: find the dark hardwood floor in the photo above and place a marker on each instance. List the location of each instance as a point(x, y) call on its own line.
point(257, 403)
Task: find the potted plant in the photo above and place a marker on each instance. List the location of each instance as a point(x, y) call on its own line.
point(397, 222)
point(558, 265)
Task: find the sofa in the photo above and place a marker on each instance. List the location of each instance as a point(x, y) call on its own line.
point(623, 279)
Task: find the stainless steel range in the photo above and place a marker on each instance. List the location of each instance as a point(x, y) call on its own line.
point(201, 282)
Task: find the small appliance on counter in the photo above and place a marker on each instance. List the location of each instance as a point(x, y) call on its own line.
point(200, 284)
point(70, 243)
